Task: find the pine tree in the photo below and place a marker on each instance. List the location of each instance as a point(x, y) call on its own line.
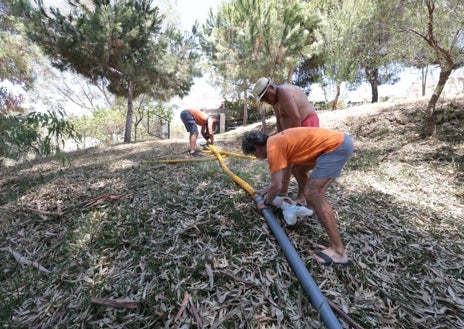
point(123, 43)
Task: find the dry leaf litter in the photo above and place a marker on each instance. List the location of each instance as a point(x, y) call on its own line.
point(124, 241)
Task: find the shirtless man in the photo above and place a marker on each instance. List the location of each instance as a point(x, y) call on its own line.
point(292, 109)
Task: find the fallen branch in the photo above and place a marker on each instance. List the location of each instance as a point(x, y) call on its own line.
point(24, 261)
point(193, 310)
point(183, 306)
point(181, 160)
point(58, 213)
point(238, 279)
point(99, 200)
point(344, 316)
point(86, 204)
point(124, 303)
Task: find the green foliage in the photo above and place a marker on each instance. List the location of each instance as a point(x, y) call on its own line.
point(357, 43)
point(104, 125)
point(234, 111)
point(160, 110)
point(439, 26)
point(15, 54)
point(247, 39)
point(37, 133)
point(107, 125)
point(118, 42)
point(16, 57)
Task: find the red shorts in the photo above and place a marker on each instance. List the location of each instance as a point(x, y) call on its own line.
point(311, 120)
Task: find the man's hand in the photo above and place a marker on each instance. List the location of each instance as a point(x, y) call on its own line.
point(263, 191)
point(261, 205)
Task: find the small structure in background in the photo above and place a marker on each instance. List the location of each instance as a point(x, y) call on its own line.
point(158, 126)
point(220, 114)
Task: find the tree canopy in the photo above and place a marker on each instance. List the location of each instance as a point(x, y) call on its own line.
point(16, 58)
point(128, 47)
point(123, 43)
point(247, 39)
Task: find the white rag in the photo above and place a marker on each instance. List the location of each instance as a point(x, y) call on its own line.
point(291, 211)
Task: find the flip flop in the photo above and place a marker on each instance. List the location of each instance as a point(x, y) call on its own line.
point(328, 261)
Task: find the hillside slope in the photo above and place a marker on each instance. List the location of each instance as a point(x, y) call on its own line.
point(119, 228)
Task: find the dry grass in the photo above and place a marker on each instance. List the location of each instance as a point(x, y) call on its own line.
point(126, 238)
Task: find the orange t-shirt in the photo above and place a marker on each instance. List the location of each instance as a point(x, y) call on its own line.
point(300, 146)
point(199, 116)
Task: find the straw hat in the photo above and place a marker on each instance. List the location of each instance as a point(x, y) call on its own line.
point(260, 87)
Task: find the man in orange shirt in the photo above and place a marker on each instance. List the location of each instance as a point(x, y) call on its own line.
point(292, 109)
point(191, 118)
point(322, 150)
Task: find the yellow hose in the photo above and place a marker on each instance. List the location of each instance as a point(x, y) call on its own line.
point(218, 156)
point(209, 151)
point(182, 160)
point(238, 155)
point(247, 187)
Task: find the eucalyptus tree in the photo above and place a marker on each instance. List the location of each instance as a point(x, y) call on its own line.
point(438, 24)
point(356, 44)
point(375, 45)
point(247, 39)
point(337, 29)
point(123, 43)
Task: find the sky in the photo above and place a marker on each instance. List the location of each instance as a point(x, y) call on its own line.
point(191, 10)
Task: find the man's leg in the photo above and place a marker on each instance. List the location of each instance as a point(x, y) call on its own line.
point(193, 142)
point(314, 192)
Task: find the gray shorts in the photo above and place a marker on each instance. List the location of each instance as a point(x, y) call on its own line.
point(330, 165)
point(189, 122)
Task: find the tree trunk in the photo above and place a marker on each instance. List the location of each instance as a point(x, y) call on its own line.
point(130, 111)
point(137, 122)
point(431, 115)
point(337, 96)
point(245, 108)
point(424, 72)
point(374, 81)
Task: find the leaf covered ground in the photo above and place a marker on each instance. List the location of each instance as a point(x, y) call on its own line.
point(118, 239)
